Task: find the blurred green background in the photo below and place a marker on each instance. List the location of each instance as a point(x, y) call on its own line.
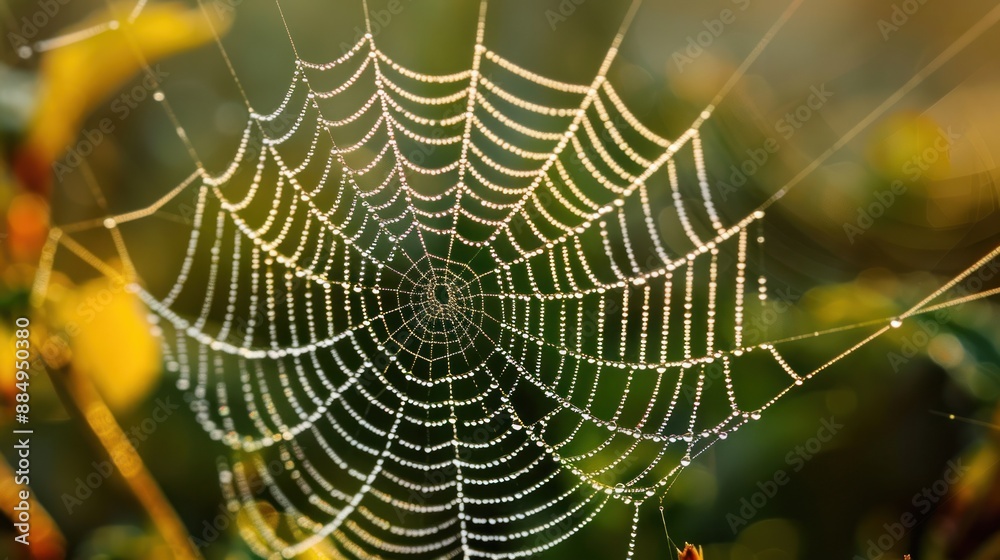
point(841, 495)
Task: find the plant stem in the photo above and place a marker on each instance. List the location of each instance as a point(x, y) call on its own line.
point(81, 397)
point(47, 541)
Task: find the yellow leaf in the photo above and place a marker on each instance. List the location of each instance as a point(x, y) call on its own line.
point(110, 340)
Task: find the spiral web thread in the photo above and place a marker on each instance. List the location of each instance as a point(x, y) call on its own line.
point(454, 322)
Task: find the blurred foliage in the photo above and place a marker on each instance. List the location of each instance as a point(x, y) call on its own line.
point(125, 367)
point(74, 79)
point(891, 446)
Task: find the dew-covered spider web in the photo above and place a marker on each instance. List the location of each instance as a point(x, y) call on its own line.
point(453, 317)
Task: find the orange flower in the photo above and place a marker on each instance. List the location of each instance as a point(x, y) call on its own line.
point(27, 226)
point(690, 553)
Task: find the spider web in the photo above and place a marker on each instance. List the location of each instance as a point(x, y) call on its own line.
point(453, 317)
